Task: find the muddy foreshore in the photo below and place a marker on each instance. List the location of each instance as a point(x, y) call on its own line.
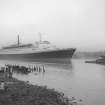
point(23, 93)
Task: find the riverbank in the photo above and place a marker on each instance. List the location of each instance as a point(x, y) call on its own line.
point(23, 93)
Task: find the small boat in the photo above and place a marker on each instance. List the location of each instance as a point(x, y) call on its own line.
point(100, 60)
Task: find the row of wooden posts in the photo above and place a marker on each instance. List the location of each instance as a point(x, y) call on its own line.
point(22, 69)
point(9, 69)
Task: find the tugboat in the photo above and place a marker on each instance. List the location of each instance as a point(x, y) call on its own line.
point(41, 51)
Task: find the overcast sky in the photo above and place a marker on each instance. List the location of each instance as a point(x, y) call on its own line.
point(66, 23)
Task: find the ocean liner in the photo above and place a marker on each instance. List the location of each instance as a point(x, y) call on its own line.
point(41, 51)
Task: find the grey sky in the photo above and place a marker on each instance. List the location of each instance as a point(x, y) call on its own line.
point(66, 23)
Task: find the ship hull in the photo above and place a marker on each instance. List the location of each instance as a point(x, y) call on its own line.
point(56, 56)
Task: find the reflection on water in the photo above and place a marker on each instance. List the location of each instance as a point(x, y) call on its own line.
point(61, 66)
point(80, 80)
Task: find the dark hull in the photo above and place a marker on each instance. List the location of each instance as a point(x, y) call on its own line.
point(56, 56)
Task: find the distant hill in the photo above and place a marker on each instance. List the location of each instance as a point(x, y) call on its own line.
point(88, 55)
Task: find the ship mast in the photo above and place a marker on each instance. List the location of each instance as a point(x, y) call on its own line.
point(18, 40)
point(40, 37)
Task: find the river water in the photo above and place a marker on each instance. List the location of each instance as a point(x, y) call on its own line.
point(84, 81)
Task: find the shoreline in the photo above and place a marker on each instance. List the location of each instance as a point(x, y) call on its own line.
point(22, 93)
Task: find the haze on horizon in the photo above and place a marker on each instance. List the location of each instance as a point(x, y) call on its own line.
point(66, 23)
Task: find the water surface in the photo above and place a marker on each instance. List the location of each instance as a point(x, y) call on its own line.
point(79, 79)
